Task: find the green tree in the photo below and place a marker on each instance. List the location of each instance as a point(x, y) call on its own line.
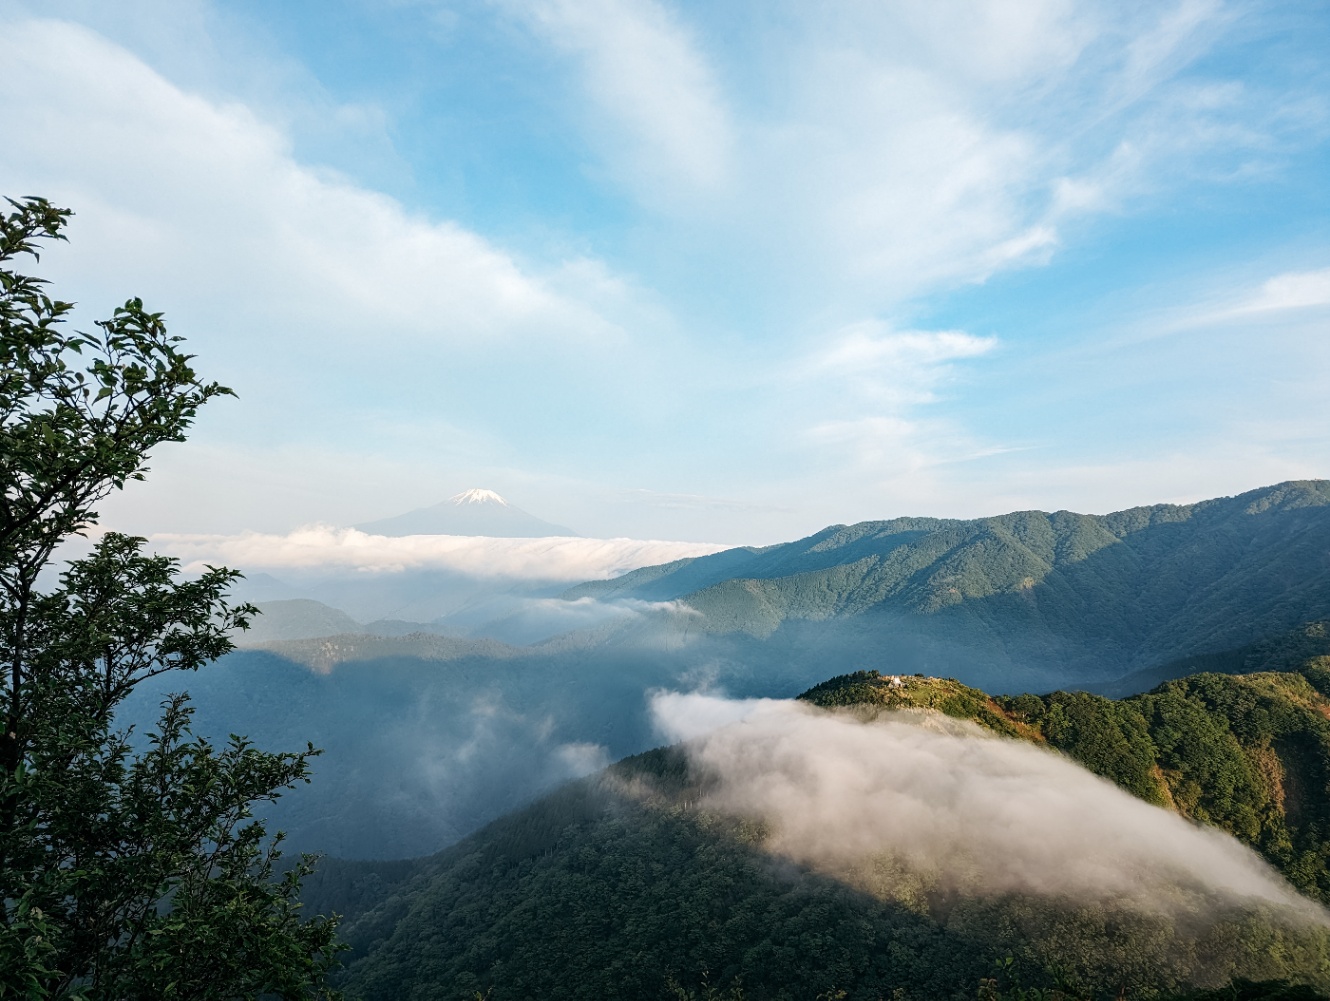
point(125, 871)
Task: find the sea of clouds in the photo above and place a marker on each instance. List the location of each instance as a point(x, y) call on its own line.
point(325, 548)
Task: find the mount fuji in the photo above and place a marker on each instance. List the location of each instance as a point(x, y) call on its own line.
point(472, 512)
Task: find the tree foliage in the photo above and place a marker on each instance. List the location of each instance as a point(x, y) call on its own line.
point(130, 865)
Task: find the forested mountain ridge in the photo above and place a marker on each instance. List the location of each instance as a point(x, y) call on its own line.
point(620, 885)
point(1076, 597)
point(1059, 538)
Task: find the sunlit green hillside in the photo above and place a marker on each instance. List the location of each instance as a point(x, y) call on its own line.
point(1067, 597)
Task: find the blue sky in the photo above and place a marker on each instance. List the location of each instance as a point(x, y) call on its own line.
point(713, 272)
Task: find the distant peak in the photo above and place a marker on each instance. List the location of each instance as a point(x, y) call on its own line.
point(478, 496)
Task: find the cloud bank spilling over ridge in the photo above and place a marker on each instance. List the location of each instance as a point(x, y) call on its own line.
point(324, 548)
point(973, 812)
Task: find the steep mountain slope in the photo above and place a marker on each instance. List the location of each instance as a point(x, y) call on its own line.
point(634, 883)
point(1062, 597)
point(472, 512)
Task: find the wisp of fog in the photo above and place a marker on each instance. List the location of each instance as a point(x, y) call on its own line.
point(911, 793)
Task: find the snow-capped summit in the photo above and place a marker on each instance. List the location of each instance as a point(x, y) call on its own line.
point(477, 495)
point(472, 512)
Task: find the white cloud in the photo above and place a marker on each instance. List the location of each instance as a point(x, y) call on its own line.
point(900, 367)
point(177, 192)
point(321, 547)
point(984, 41)
point(644, 72)
point(1285, 301)
point(874, 164)
point(680, 716)
point(1180, 33)
point(523, 621)
point(934, 797)
point(884, 444)
point(876, 152)
point(876, 383)
point(1294, 290)
point(580, 759)
point(869, 345)
point(893, 182)
point(906, 460)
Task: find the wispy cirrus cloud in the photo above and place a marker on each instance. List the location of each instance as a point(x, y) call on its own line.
point(896, 367)
point(1282, 302)
point(1292, 290)
point(645, 78)
point(906, 148)
point(879, 386)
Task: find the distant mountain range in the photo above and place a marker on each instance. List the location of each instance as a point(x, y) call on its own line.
point(472, 512)
point(1018, 600)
